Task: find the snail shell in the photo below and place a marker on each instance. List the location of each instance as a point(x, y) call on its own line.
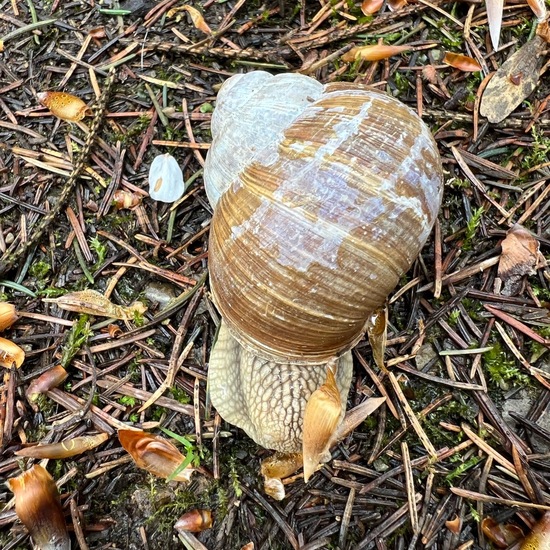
point(323, 197)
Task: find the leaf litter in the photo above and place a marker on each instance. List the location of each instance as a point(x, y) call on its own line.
point(420, 484)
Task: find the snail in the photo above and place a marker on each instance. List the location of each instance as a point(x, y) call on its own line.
point(323, 197)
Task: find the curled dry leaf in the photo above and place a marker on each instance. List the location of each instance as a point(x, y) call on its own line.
point(10, 354)
point(461, 62)
point(539, 537)
point(377, 329)
point(125, 199)
point(64, 449)
point(454, 525)
point(543, 30)
point(165, 179)
point(38, 506)
point(155, 454)
point(501, 535)
point(93, 302)
point(514, 81)
point(196, 17)
point(194, 521)
point(98, 33)
point(114, 331)
point(539, 9)
point(64, 106)
point(373, 53)
point(321, 418)
point(355, 417)
point(8, 315)
point(369, 7)
point(396, 5)
point(46, 381)
point(520, 256)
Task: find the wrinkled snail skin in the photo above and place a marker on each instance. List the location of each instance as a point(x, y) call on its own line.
point(265, 398)
point(323, 197)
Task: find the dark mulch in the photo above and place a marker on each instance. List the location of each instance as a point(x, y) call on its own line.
point(484, 412)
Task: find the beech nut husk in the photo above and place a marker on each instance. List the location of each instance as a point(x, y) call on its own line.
point(10, 354)
point(46, 381)
point(38, 506)
point(194, 521)
point(8, 315)
point(155, 454)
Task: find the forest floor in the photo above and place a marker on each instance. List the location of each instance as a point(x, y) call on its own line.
point(469, 325)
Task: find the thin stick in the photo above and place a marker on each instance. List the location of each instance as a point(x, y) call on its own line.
point(409, 481)
point(412, 417)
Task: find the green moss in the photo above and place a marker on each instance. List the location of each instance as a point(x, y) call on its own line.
point(462, 468)
point(502, 369)
point(179, 395)
point(454, 315)
point(474, 308)
point(127, 400)
point(40, 269)
point(100, 249)
point(472, 227)
point(77, 337)
point(538, 153)
point(234, 477)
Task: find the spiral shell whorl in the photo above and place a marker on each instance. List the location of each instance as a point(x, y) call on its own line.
point(245, 101)
point(320, 218)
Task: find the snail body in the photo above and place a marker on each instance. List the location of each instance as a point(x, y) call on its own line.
point(323, 197)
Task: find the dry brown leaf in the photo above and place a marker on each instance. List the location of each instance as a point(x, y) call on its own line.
point(46, 381)
point(539, 8)
point(520, 256)
point(94, 303)
point(369, 7)
point(461, 62)
point(10, 354)
point(64, 106)
point(501, 535)
point(8, 315)
point(38, 506)
point(454, 525)
point(196, 17)
point(194, 521)
point(321, 419)
point(98, 32)
point(123, 199)
point(155, 454)
point(396, 5)
point(375, 52)
point(539, 537)
point(64, 449)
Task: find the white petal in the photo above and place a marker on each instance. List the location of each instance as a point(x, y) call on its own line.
point(165, 179)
